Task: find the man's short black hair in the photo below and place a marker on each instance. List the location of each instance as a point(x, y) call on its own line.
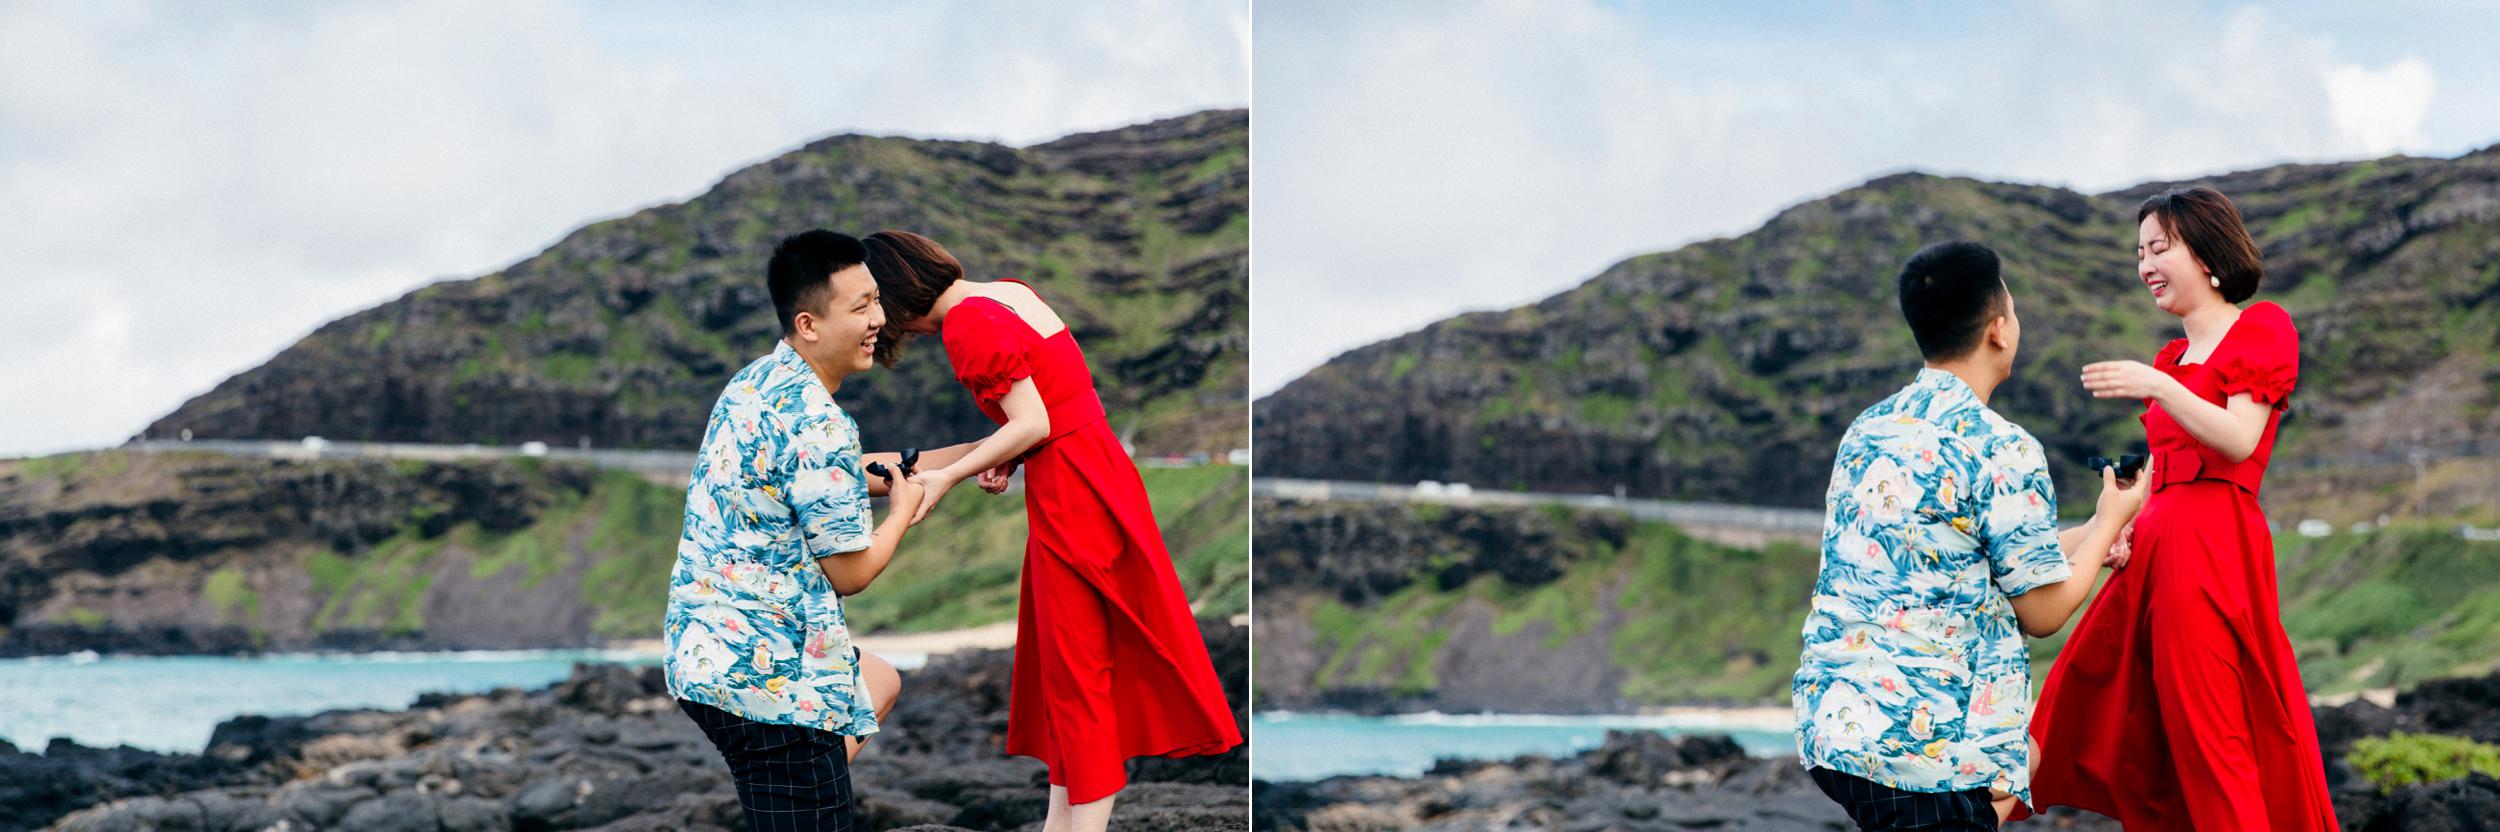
point(801, 272)
point(1949, 293)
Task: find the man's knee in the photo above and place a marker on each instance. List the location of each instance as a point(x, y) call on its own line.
point(885, 684)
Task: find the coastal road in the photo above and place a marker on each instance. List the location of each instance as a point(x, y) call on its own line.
point(1735, 525)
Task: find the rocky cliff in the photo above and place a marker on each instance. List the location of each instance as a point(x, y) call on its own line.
point(120, 551)
point(1375, 607)
point(622, 333)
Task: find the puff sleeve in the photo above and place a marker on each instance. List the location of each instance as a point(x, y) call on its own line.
point(2261, 357)
point(990, 349)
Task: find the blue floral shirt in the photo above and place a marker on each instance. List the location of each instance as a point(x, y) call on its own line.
point(754, 627)
point(1915, 673)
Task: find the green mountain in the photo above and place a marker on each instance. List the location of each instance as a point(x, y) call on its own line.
point(199, 552)
point(622, 333)
point(1725, 370)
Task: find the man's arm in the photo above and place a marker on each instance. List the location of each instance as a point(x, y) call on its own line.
point(828, 490)
point(852, 572)
point(2045, 609)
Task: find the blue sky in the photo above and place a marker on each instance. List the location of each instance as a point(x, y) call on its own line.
point(191, 187)
point(1412, 160)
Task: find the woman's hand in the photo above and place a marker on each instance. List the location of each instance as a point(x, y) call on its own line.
point(2121, 550)
point(2126, 380)
point(995, 480)
point(935, 484)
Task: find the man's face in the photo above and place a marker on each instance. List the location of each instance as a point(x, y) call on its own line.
point(845, 335)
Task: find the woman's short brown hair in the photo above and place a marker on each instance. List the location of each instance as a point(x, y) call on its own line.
point(911, 272)
point(2209, 225)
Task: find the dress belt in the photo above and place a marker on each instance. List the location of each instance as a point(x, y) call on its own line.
point(2173, 467)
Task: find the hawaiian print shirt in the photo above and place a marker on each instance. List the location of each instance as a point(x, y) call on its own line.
point(754, 628)
point(1915, 674)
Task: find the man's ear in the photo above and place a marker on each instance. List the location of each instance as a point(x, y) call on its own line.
point(802, 324)
point(2000, 332)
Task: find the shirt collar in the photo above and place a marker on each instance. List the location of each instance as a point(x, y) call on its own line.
point(816, 396)
point(1945, 383)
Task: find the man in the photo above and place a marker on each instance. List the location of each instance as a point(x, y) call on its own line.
point(777, 530)
point(1940, 551)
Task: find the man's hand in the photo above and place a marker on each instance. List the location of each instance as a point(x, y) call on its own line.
point(995, 480)
point(903, 498)
point(2119, 503)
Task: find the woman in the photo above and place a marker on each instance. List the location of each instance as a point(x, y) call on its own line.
point(2176, 703)
point(1109, 663)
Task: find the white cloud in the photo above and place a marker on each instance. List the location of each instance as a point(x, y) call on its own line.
point(2382, 109)
point(1418, 161)
point(188, 193)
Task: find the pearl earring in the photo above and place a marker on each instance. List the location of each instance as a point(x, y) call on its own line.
point(2216, 281)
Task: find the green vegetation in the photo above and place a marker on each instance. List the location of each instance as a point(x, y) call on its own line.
point(633, 536)
point(382, 589)
point(960, 567)
point(2402, 759)
point(228, 594)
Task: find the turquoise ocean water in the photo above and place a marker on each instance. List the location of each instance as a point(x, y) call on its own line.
point(1288, 746)
point(171, 703)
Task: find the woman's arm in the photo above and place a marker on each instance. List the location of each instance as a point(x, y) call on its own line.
point(938, 458)
point(2232, 430)
point(1028, 423)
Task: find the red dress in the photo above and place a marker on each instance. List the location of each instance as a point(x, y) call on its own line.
point(2176, 703)
point(1109, 662)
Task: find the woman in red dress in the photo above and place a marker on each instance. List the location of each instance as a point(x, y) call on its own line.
point(1109, 662)
point(2176, 703)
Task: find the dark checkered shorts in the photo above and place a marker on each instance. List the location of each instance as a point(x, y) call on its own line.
point(1880, 808)
point(790, 779)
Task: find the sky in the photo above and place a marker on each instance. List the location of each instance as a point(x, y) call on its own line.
point(1411, 161)
point(189, 188)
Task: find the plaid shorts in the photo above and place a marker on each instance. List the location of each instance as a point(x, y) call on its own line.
point(790, 779)
point(1880, 808)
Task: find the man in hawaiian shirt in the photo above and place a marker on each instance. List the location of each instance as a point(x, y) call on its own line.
point(777, 531)
point(1940, 552)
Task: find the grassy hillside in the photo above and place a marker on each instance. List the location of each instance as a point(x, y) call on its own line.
point(200, 552)
point(1644, 615)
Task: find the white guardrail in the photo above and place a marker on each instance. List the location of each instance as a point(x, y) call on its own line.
point(1777, 521)
point(666, 464)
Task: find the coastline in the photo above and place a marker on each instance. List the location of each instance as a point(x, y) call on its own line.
point(604, 748)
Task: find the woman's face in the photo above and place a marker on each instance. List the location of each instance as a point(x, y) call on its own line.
point(2169, 270)
point(923, 325)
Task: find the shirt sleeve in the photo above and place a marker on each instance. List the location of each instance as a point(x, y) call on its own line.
point(2263, 359)
point(2018, 526)
point(828, 493)
point(990, 349)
